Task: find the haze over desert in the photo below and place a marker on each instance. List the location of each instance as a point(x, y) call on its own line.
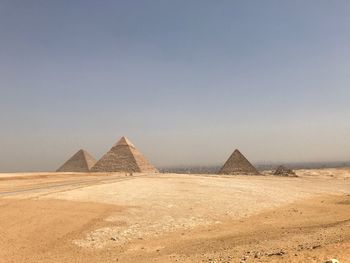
point(164, 131)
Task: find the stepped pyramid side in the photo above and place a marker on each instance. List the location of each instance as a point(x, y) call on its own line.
point(123, 157)
point(81, 161)
point(238, 164)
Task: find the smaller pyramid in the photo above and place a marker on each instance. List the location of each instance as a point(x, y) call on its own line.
point(124, 157)
point(82, 161)
point(238, 164)
point(284, 171)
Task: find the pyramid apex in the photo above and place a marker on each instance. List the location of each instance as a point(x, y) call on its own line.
point(124, 141)
point(82, 151)
point(237, 152)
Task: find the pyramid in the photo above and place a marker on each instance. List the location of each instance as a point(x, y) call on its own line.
point(82, 161)
point(238, 164)
point(284, 171)
point(123, 157)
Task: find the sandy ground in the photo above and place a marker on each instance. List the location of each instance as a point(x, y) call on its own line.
point(175, 218)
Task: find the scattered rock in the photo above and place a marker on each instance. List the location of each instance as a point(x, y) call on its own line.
point(316, 246)
point(279, 253)
point(244, 258)
point(300, 247)
point(257, 255)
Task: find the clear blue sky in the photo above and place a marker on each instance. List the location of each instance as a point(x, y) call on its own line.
point(186, 81)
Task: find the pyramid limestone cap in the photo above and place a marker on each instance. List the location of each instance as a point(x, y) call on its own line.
point(124, 142)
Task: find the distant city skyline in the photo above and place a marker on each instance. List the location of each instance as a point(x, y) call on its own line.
point(186, 81)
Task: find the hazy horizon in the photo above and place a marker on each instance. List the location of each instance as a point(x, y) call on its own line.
point(186, 81)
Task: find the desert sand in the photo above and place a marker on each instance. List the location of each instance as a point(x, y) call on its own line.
point(114, 217)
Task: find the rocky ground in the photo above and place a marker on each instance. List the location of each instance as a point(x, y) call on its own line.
point(175, 218)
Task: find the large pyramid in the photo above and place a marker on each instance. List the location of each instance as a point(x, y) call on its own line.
point(123, 157)
point(238, 164)
point(82, 161)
